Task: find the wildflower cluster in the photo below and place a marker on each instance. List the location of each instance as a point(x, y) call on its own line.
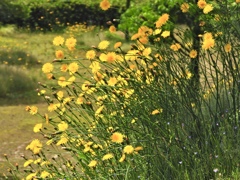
point(135, 113)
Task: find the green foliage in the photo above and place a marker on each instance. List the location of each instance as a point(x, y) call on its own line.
point(146, 13)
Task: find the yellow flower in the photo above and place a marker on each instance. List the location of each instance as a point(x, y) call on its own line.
point(111, 57)
point(207, 44)
point(99, 110)
point(47, 68)
point(60, 95)
point(128, 149)
point(37, 127)
point(90, 54)
point(175, 47)
point(64, 67)
point(86, 85)
point(37, 161)
point(95, 66)
point(45, 163)
point(143, 40)
point(107, 156)
point(105, 5)
point(185, 7)
point(162, 20)
point(112, 28)
point(57, 41)
point(128, 93)
point(201, 4)
point(157, 31)
point(165, 34)
point(207, 36)
point(112, 81)
point(71, 43)
point(103, 57)
point(208, 8)
point(103, 44)
point(193, 53)
point(131, 55)
point(79, 100)
point(62, 81)
point(188, 74)
point(138, 148)
point(31, 176)
point(117, 137)
point(42, 92)
point(98, 76)
point(73, 67)
point(144, 31)
point(59, 54)
point(63, 140)
point(117, 45)
point(156, 111)
point(49, 142)
point(122, 158)
point(227, 48)
point(33, 110)
point(52, 107)
point(35, 146)
point(93, 163)
point(146, 52)
point(45, 174)
point(50, 76)
point(237, 1)
point(27, 163)
point(62, 126)
point(135, 36)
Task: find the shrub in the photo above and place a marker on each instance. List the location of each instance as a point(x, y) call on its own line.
point(12, 12)
point(57, 15)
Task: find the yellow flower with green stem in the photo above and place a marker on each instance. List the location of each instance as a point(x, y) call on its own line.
point(35, 146)
point(28, 162)
point(37, 127)
point(33, 110)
